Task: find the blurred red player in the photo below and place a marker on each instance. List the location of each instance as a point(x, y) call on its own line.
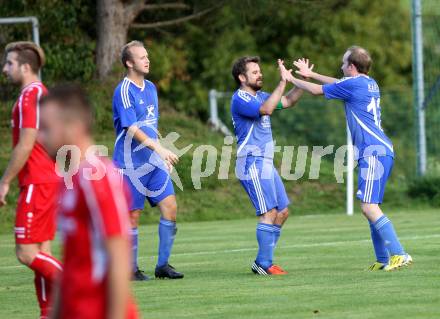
point(94, 216)
point(35, 214)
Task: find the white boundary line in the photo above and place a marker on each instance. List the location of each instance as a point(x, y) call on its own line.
point(311, 245)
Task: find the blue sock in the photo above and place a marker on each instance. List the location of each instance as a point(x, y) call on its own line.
point(379, 246)
point(386, 231)
point(167, 232)
point(266, 243)
point(134, 247)
point(276, 233)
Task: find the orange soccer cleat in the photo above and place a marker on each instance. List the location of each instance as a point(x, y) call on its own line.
point(276, 270)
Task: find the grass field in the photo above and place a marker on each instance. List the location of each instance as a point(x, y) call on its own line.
point(326, 256)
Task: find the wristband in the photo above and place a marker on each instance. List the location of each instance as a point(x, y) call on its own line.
point(279, 106)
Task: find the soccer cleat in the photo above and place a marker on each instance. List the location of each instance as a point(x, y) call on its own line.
point(272, 270)
point(376, 266)
point(398, 261)
point(139, 275)
point(258, 270)
point(167, 271)
point(275, 270)
point(280, 270)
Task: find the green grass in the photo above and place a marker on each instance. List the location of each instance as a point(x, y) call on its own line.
point(325, 255)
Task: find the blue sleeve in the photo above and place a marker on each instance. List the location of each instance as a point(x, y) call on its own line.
point(124, 104)
point(245, 105)
point(340, 90)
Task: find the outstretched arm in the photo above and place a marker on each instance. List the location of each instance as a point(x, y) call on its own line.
point(306, 70)
point(315, 89)
point(291, 97)
point(271, 103)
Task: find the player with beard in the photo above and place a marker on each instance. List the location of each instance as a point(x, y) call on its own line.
point(251, 109)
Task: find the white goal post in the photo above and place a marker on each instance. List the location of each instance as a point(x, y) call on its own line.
point(218, 125)
point(350, 173)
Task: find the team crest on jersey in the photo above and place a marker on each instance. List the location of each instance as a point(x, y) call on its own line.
point(265, 121)
point(150, 110)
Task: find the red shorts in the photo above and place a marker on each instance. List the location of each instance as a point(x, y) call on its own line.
point(35, 219)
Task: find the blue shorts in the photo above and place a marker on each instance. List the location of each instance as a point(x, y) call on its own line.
point(153, 184)
point(262, 183)
point(374, 172)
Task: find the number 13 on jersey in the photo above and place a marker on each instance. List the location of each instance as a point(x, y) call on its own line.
point(374, 106)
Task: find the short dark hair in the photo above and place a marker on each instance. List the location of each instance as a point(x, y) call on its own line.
point(126, 53)
point(360, 58)
point(27, 53)
point(73, 100)
point(240, 66)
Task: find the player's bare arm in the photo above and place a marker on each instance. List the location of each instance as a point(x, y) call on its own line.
point(271, 103)
point(118, 249)
point(143, 138)
point(312, 88)
point(19, 157)
point(306, 71)
point(290, 99)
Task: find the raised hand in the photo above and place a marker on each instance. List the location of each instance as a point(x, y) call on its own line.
point(304, 67)
point(286, 75)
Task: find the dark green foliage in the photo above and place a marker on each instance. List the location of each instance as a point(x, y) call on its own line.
point(426, 188)
point(189, 59)
point(67, 34)
point(282, 29)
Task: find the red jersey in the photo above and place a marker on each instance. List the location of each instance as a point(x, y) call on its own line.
point(91, 212)
point(39, 168)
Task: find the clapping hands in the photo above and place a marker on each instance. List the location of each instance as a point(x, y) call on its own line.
point(304, 67)
point(286, 75)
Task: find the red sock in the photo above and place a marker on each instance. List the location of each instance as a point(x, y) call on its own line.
point(46, 270)
point(47, 266)
point(43, 294)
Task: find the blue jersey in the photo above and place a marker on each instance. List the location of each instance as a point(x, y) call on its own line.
point(253, 130)
point(361, 96)
point(134, 105)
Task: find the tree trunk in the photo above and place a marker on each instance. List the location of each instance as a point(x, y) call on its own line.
point(114, 18)
point(113, 23)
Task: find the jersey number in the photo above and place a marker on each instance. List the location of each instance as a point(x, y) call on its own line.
point(375, 107)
